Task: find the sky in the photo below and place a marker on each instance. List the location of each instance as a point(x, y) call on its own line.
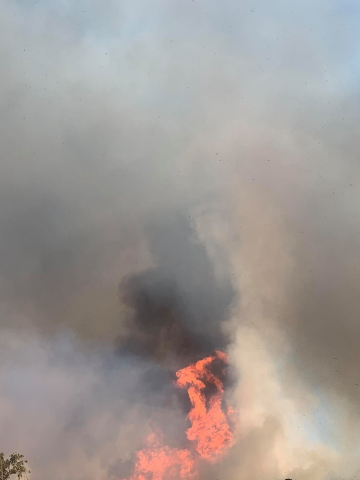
point(205, 153)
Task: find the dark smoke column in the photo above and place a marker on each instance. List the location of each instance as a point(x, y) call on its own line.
point(176, 309)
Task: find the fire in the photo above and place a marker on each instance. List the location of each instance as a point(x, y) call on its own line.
point(157, 460)
point(210, 431)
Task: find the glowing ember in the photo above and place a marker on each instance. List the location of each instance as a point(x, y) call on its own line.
point(209, 425)
point(209, 429)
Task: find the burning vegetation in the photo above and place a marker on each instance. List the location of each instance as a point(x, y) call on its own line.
point(209, 435)
point(176, 312)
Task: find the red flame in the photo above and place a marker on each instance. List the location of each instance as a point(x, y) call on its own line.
point(210, 430)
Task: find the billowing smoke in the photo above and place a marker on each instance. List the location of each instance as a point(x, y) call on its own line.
point(177, 178)
point(178, 307)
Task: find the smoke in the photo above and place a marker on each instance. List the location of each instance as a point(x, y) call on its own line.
point(69, 410)
point(177, 178)
point(178, 306)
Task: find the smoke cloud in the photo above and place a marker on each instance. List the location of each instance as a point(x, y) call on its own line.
point(179, 306)
point(176, 178)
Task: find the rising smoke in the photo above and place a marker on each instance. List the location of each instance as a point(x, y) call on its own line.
point(177, 178)
point(177, 308)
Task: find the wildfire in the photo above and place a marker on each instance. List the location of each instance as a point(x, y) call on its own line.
point(157, 460)
point(210, 430)
point(209, 424)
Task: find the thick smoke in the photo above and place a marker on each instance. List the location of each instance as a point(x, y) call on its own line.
point(177, 307)
point(203, 155)
point(76, 414)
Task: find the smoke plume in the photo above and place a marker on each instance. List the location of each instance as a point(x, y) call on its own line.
point(177, 178)
point(178, 307)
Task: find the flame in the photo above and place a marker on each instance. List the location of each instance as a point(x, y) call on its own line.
point(157, 460)
point(210, 430)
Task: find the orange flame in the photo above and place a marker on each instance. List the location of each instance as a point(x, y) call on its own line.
point(210, 430)
point(209, 424)
point(157, 460)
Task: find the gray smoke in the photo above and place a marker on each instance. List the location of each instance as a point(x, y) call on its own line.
point(176, 178)
point(179, 306)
